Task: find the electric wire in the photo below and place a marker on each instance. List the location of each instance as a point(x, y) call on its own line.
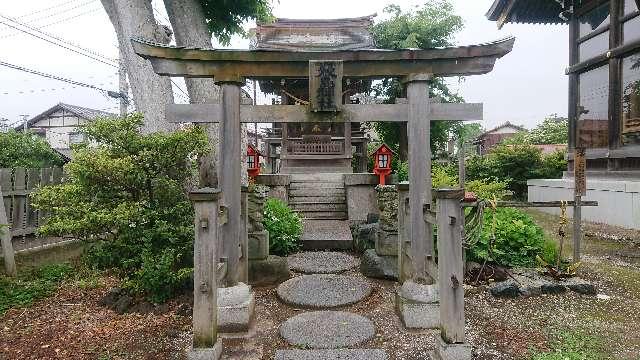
point(54, 23)
point(49, 8)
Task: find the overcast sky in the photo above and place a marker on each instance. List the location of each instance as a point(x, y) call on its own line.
point(525, 86)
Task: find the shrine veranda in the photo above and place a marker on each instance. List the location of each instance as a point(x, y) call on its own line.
point(325, 72)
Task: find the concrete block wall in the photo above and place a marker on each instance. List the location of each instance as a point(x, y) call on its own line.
point(619, 200)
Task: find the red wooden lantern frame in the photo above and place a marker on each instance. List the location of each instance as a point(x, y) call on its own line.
point(253, 161)
point(382, 162)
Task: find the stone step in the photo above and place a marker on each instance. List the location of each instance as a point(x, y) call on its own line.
point(324, 215)
point(317, 177)
point(316, 185)
point(340, 199)
point(319, 207)
point(326, 233)
point(293, 193)
point(343, 354)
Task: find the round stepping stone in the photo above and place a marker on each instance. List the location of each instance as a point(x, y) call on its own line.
point(321, 262)
point(327, 330)
point(323, 291)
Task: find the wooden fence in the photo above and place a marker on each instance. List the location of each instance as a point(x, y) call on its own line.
point(19, 214)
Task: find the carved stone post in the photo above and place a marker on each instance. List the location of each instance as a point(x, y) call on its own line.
point(405, 267)
point(243, 266)
point(450, 276)
point(5, 241)
point(205, 254)
point(418, 131)
point(230, 177)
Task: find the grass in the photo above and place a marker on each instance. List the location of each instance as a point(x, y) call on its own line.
point(573, 346)
point(31, 285)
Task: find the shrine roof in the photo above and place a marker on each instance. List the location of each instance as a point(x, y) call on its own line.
point(314, 34)
point(198, 62)
point(526, 11)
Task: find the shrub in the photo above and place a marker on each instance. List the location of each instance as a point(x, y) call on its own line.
point(128, 194)
point(487, 189)
point(20, 149)
point(518, 239)
point(284, 226)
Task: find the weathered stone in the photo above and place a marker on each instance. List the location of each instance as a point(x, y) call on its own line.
point(580, 286)
point(112, 297)
point(273, 270)
point(258, 245)
point(373, 218)
point(122, 305)
point(213, 353)
point(552, 287)
point(417, 305)
point(379, 267)
point(327, 330)
point(446, 351)
point(508, 289)
point(236, 307)
point(366, 236)
point(388, 206)
point(323, 291)
point(342, 354)
point(387, 243)
point(321, 262)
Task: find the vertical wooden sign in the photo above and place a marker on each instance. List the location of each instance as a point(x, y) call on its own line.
point(579, 170)
point(325, 85)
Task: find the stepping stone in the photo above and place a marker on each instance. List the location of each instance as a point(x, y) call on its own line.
point(323, 291)
point(327, 330)
point(345, 354)
point(321, 262)
point(326, 234)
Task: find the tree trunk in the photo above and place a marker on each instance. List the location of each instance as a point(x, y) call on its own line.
point(190, 30)
point(134, 18)
point(403, 146)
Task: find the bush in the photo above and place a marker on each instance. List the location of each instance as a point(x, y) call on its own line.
point(284, 226)
point(128, 194)
point(20, 149)
point(487, 189)
point(518, 239)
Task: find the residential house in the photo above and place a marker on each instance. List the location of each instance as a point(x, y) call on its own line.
point(489, 139)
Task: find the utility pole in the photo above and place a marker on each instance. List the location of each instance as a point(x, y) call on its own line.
point(4, 124)
point(25, 120)
point(123, 87)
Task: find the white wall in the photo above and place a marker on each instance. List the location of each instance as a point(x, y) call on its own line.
point(57, 128)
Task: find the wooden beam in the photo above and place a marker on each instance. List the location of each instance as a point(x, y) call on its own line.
point(210, 113)
point(536, 204)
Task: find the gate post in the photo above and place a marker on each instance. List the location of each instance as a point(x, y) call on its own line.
point(418, 133)
point(5, 241)
point(206, 344)
point(451, 344)
point(230, 177)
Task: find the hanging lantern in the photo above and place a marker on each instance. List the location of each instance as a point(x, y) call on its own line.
point(253, 161)
point(382, 162)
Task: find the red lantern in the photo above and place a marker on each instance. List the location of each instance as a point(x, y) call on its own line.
point(382, 162)
point(253, 161)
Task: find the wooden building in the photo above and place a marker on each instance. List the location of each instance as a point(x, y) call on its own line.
point(490, 138)
point(314, 147)
point(604, 96)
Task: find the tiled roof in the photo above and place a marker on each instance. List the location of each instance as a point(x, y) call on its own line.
point(506, 124)
point(526, 11)
point(81, 112)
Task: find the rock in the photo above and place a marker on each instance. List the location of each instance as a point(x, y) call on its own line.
point(143, 307)
point(184, 310)
point(552, 287)
point(258, 245)
point(112, 297)
point(508, 289)
point(327, 330)
point(323, 291)
point(417, 305)
point(379, 267)
point(122, 305)
point(342, 354)
point(273, 270)
point(366, 236)
point(373, 218)
point(580, 286)
point(321, 262)
point(387, 243)
point(236, 308)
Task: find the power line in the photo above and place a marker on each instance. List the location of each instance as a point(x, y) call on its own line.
point(95, 53)
point(49, 8)
point(55, 22)
point(60, 45)
point(54, 77)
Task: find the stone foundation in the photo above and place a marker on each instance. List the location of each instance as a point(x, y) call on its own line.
point(236, 308)
point(446, 351)
point(418, 305)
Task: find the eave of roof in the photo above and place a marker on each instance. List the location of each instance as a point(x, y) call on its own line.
point(506, 124)
point(81, 112)
point(525, 12)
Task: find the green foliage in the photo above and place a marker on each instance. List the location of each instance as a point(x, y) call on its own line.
point(444, 177)
point(225, 18)
point(487, 189)
point(573, 346)
point(128, 194)
point(514, 165)
point(402, 171)
point(31, 286)
point(552, 130)
point(433, 25)
point(20, 149)
point(284, 226)
point(518, 239)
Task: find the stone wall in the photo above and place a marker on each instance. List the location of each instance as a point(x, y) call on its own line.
point(361, 196)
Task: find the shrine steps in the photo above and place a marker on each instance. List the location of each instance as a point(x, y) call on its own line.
point(318, 196)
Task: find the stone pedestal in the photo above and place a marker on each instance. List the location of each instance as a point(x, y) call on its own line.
point(213, 353)
point(236, 307)
point(258, 245)
point(418, 305)
point(446, 351)
point(270, 271)
point(382, 262)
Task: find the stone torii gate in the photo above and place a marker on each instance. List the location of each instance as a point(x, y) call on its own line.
point(326, 72)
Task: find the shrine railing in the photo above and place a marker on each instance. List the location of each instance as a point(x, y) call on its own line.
point(305, 148)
